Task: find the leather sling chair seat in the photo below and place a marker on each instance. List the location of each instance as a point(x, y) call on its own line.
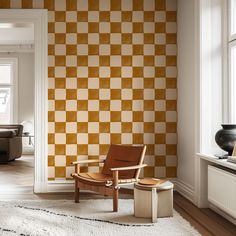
point(122, 166)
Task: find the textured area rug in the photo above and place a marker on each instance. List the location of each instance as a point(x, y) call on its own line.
point(89, 217)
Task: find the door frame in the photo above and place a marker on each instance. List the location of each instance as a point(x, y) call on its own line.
point(39, 18)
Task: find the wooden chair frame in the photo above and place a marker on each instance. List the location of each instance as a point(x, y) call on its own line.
point(107, 190)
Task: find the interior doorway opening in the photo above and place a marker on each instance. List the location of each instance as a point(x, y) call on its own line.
point(25, 101)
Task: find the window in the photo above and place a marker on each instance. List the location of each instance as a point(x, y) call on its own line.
point(217, 68)
point(232, 61)
point(212, 63)
point(8, 90)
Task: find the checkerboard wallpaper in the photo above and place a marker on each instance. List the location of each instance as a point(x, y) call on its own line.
point(112, 79)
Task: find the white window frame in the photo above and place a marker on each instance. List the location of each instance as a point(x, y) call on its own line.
point(203, 27)
point(212, 89)
point(231, 42)
point(13, 87)
point(230, 35)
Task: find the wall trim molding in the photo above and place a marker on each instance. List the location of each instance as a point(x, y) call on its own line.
point(60, 186)
point(184, 189)
point(40, 20)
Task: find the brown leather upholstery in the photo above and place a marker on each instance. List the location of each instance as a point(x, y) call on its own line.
point(100, 179)
point(10, 142)
point(122, 156)
point(108, 182)
point(94, 178)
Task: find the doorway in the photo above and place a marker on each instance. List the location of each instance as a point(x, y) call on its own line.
point(39, 20)
point(17, 109)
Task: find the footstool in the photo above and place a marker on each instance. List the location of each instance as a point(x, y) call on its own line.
point(153, 201)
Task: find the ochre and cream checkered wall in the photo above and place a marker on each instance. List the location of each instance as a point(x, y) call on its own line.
point(112, 79)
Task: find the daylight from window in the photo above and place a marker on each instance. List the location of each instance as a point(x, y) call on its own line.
point(232, 61)
point(5, 93)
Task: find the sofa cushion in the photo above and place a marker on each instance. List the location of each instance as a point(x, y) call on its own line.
point(8, 133)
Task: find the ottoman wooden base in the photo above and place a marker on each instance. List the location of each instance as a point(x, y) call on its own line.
point(153, 201)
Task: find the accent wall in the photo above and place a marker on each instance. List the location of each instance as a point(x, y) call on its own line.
point(112, 79)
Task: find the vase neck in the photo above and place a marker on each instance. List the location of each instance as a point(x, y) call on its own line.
point(229, 126)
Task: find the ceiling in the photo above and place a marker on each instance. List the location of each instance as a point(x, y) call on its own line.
point(16, 33)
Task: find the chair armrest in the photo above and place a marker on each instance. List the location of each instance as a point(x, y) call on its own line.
point(86, 161)
point(128, 167)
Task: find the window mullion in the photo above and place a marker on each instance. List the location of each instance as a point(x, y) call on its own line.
point(232, 81)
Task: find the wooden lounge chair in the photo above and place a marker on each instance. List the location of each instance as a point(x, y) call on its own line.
point(122, 166)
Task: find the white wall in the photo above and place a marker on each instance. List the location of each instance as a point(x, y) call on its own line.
point(201, 62)
point(25, 89)
point(186, 93)
point(23, 34)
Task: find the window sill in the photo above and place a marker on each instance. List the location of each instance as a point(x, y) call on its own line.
point(213, 159)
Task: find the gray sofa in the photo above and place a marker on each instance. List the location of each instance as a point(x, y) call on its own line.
point(10, 142)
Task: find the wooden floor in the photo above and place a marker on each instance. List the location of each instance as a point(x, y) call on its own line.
point(206, 221)
point(18, 175)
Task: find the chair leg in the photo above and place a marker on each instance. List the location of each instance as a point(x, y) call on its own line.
point(115, 200)
point(76, 192)
point(115, 191)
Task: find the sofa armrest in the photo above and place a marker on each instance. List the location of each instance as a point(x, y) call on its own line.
point(20, 130)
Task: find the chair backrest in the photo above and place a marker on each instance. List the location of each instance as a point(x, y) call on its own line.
point(123, 156)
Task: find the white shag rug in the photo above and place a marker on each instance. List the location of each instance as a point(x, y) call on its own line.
point(87, 218)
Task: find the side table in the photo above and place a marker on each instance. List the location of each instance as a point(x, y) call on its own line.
point(30, 136)
point(153, 201)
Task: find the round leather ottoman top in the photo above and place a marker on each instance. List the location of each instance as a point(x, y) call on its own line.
point(162, 185)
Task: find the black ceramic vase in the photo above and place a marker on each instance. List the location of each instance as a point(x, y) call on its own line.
point(226, 138)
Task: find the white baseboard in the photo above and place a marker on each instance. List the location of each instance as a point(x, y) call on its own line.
point(40, 187)
point(28, 152)
point(188, 192)
point(184, 189)
point(61, 186)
